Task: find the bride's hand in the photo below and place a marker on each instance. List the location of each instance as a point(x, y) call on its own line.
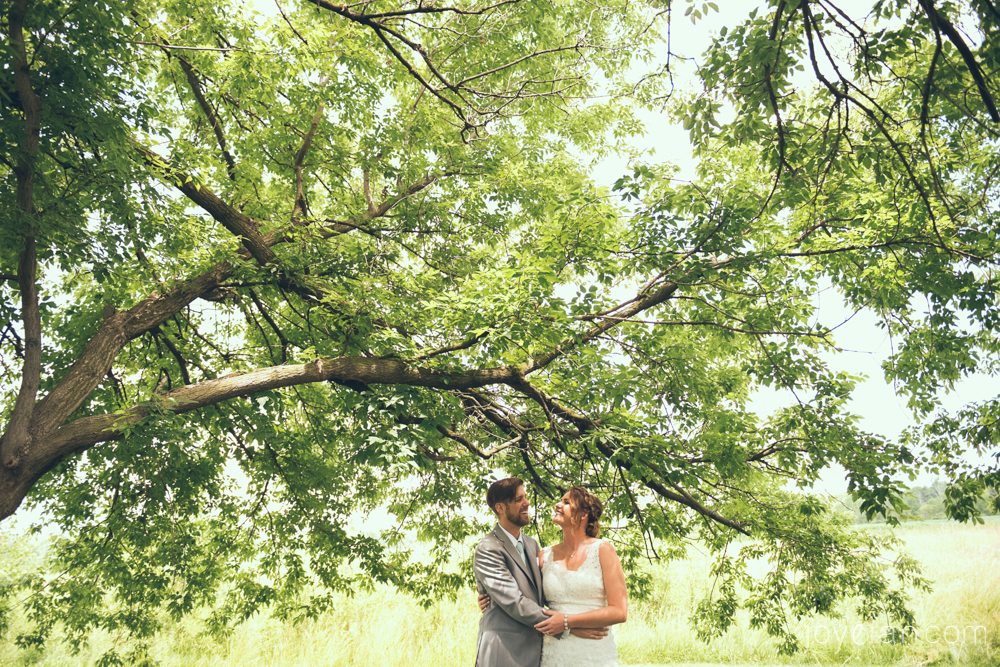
point(553, 625)
point(484, 602)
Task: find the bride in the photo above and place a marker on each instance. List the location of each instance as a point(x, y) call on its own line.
point(584, 585)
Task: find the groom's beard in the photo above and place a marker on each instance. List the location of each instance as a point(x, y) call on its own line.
point(515, 518)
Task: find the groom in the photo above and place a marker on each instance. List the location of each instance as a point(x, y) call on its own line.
point(506, 569)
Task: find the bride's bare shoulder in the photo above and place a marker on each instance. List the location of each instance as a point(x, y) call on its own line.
point(607, 553)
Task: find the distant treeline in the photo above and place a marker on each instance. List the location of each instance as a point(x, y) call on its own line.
point(926, 503)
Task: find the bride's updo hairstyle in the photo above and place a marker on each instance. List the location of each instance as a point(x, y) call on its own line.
point(585, 501)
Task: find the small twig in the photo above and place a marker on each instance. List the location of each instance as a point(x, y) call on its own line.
point(177, 47)
point(288, 21)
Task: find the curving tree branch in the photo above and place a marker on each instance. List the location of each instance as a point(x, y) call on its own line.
point(17, 439)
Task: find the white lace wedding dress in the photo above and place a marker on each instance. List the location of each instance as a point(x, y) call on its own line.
point(572, 592)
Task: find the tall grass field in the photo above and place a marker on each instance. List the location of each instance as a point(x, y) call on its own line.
point(958, 623)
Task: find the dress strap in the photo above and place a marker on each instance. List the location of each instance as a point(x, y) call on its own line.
point(593, 553)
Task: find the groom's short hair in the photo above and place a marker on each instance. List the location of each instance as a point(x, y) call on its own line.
point(503, 491)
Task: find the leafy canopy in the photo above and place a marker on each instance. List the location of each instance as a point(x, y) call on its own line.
point(263, 275)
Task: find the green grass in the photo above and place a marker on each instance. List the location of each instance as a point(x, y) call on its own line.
point(963, 562)
point(385, 628)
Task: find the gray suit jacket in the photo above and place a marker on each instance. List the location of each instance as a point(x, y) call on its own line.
point(507, 635)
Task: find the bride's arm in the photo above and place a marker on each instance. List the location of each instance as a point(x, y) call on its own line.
point(614, 587)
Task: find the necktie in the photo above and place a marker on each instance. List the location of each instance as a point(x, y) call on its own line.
point(520, 551)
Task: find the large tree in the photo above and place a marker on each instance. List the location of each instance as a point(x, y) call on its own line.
point(262, 276)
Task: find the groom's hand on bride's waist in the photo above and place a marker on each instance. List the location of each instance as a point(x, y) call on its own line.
point(583, 633)
point(590, 633)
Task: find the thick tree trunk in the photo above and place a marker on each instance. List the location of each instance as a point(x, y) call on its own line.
point(15, 483)
point(29, 452)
